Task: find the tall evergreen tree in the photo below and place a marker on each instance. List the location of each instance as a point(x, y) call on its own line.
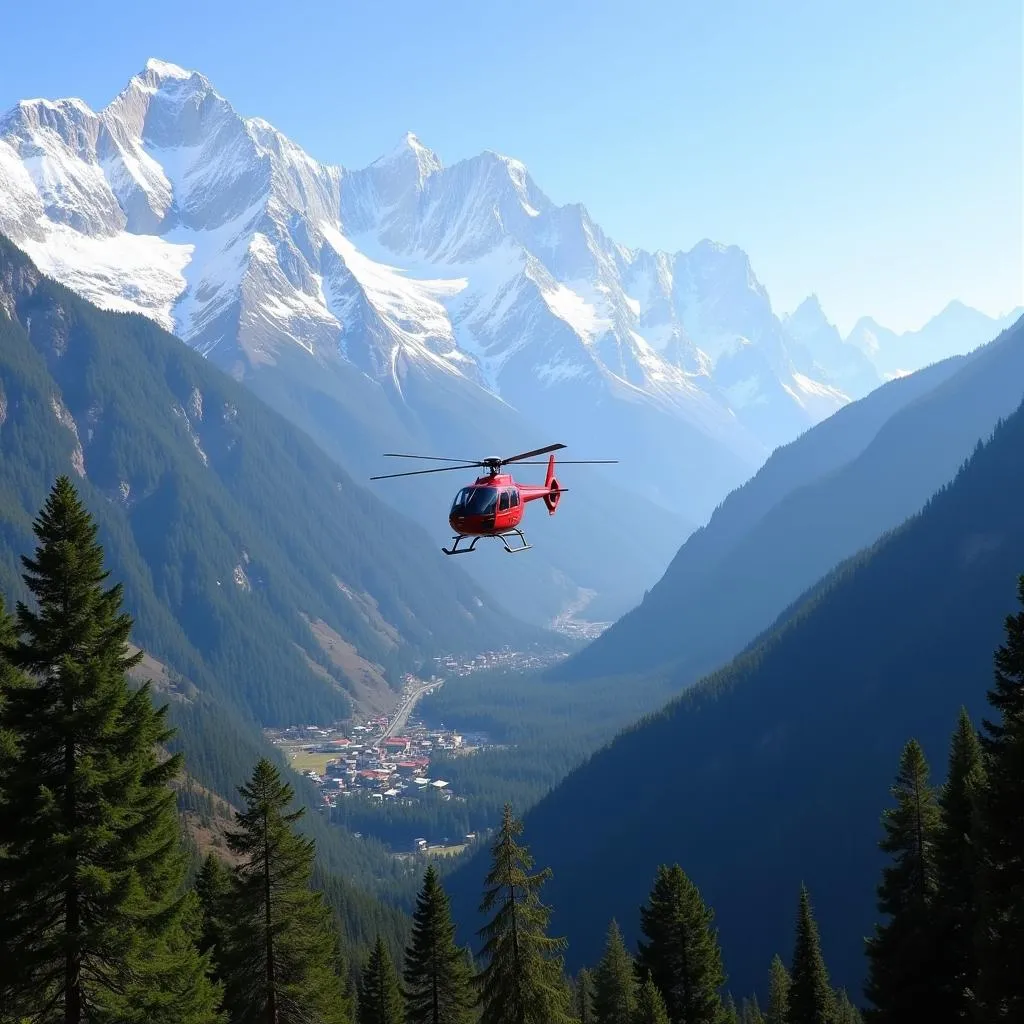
point(522, 982)
point(583, 997)
point(778, 992)
point(213, 887)
point(956, 860)
point(904, 956)
point(281, 959)
point(811, 999)
point(682, 953)
point(750, 1012)
point(97, 923)
point(650, 1005)
point(438, 981)
point(380, 998)
point(846, 1012)
point(614, 981)
point(1001, 931)
point(730, 1013)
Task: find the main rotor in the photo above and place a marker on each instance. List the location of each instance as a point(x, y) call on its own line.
point(492, 465)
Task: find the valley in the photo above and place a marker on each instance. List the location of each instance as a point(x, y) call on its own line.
point(738, 739)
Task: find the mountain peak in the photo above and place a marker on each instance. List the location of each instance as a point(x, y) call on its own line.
point(169, 80)
point(809, 314)
point(164, 69)
point(410, 148)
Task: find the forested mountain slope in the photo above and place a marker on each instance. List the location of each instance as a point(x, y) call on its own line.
point(773, 770)
point(231, 532)
point(814, 503)
point(231, 529)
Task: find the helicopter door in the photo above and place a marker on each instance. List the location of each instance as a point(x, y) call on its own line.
point(503, 502)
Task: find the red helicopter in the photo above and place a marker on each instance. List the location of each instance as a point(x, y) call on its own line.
point(493, 505)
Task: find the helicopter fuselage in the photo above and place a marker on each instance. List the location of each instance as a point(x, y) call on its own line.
point(494, 504)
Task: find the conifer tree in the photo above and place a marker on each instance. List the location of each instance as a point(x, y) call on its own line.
point(1001, 932)
point(811, 999)
point(522, 982)
point(281, 959)
point(380, 998)
point(97, 923)
point(956, 860)
point(730, 1014)
point(750, 1012)
point(846, 1012)
point(438, 981)
point(583, 1001)
point(650, 1006)
point(904, 957)
point(213, 887)
point(614, 981)
point(682, 953)
point(778, 992)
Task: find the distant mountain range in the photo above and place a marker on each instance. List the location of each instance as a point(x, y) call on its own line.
point(774, 770)
point(414, 306)
point(814, 503)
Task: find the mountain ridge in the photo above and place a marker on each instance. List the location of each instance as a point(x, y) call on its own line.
point(796, 741)
point(814, 503)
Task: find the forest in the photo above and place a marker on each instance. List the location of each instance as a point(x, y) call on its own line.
point(109, 914)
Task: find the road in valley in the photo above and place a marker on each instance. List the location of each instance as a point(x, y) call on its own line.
point(405, 708)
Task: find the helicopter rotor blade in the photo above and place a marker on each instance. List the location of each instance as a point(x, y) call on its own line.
point(432, 458)
point(421, 472)
point(574, 462)
point(530, 455)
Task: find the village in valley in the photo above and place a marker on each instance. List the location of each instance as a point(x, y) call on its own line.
point(389, 757)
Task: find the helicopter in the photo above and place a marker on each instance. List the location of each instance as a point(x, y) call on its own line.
point(493, 505)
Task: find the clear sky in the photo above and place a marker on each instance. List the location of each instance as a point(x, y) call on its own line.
point(870, 151)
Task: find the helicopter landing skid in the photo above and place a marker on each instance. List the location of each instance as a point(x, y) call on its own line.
point(456, 550)
point(516, 532)
point(503, 537)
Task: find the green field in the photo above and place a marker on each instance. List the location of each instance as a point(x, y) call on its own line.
point(302, 760)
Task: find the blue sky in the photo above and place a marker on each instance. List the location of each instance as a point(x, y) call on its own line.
point(869, 151)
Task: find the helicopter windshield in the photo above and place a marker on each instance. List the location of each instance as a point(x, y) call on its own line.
point(475, 501)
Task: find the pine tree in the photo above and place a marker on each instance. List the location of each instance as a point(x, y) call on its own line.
point(583, 997)
point(778, 992)
point(750, 1012)
point(97, 923)
point(1001, 875)
point(522, 982)
point(730, 1015)
point(614, 981)
point(846, 1012)
point(14, 1004)
point(682, 953)
point(904, 958)
point(811, 1000)
point(650, 1006)
point(956, 860)
point(438, 981)
point(380, 998)
point(281, 961)
point(213, 887)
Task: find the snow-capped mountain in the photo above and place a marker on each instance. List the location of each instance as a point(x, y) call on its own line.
point(820, 348)
point(171, 204)
point(958, 329)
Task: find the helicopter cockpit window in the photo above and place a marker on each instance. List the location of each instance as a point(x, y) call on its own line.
point(503, 502)
point(475, 501)
point(515, 499)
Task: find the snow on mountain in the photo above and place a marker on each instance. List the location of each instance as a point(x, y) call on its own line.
point(957, 330)
point(821, 349)
point(170, 204)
